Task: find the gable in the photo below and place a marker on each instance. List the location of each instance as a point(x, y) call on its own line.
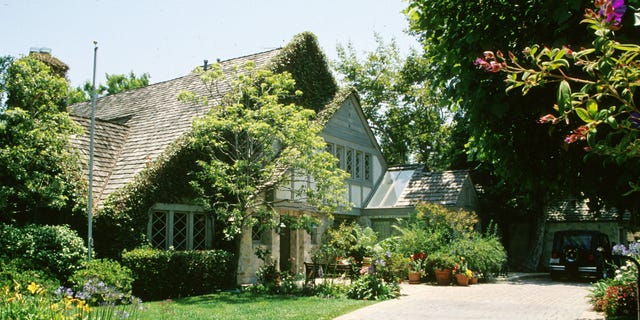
point(348, 125)
point(350, 139)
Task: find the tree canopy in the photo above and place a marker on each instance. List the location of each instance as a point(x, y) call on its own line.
point(408, 124)
point(523, 164)
point(253, 143)
point(116, 83)
point(40, 171)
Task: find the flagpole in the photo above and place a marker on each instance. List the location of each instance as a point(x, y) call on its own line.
point(91, 134)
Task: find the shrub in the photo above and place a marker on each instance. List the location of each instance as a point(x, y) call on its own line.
point(109, 272)
point(11, 273)
point(372, 287)
point(163, 274)
point(56, 250)
point(483, 254)
point(347, 241)
point(329, 289)
point(620, 300)
point(440, 260)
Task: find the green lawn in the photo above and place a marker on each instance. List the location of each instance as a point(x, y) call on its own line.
point(227, 305)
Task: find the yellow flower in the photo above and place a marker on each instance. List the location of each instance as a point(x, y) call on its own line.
point(34, 288)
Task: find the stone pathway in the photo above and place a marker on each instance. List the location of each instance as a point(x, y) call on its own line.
point(524, 297)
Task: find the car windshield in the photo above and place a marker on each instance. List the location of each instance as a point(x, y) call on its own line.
point(578, 241)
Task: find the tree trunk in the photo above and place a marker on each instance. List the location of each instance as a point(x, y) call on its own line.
point(536, 241)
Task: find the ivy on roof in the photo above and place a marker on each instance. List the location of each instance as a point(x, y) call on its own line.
point(306, 62)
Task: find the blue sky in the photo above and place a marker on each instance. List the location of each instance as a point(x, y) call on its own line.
point(169, 38)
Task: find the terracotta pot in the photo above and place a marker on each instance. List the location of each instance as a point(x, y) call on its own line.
point(462, 279)
point(473, 280)
point(443, 277)
point(414, 277)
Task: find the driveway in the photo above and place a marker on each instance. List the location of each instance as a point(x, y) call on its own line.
point(521, 297)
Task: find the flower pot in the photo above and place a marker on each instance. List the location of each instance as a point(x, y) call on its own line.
point(462, 279)
point(443, 276)
point(414, 277)
point(473, 280)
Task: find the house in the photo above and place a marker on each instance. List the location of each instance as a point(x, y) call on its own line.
point(140, 185)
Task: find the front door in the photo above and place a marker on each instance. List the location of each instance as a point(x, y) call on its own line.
point(285, 249)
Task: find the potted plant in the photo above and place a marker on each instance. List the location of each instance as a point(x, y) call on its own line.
point(462, 273)
point(441, 263)
point(416, 267)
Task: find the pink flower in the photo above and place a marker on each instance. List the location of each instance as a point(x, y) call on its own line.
point(578, 134)
point(548, 118)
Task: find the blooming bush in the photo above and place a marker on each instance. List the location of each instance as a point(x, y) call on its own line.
point(36, 302)
point(596, 85)
point(105, 271)
point(418, 262)
point(617, 295)
point(620, 300)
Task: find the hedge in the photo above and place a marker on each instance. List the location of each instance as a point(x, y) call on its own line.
point(161, 274)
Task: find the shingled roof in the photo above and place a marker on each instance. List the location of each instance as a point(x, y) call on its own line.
point(575, 210)
point(405, 186)
point(137, 126)
point(109, 140)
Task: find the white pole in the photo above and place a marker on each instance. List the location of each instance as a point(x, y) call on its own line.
point(91, 134)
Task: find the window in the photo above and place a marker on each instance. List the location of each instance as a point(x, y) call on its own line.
point(340, 156)
point(330, 147)
point(367, 167)
point(182, 227)
point(349, 164)
point(357, 171)
point(314, 235)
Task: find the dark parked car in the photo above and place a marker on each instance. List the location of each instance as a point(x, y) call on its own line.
point(580, 253)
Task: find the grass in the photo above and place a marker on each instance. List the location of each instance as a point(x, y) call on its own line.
point(230, 305)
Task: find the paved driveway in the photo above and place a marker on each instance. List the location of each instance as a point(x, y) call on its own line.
point(523, 298)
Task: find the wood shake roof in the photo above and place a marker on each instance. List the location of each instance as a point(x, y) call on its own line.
point(137, 126)
point(443, 187)
point(405, 186)
point(575, 210)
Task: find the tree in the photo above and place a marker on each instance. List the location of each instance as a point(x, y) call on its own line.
point(602, 114)
point(515, 154)
point(116, 83)
point(40, 172)
point(407, 123)
point(252, 143)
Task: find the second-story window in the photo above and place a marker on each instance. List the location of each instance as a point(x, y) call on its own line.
point(357, 171)
point(349, 162)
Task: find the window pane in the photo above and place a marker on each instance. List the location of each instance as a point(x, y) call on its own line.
point(349, 167)
point(330, 147)
point(159, 229)
point(358, 168)
point(180, 231)
point(339, 155)
point(367, 167)
point(199, 232)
